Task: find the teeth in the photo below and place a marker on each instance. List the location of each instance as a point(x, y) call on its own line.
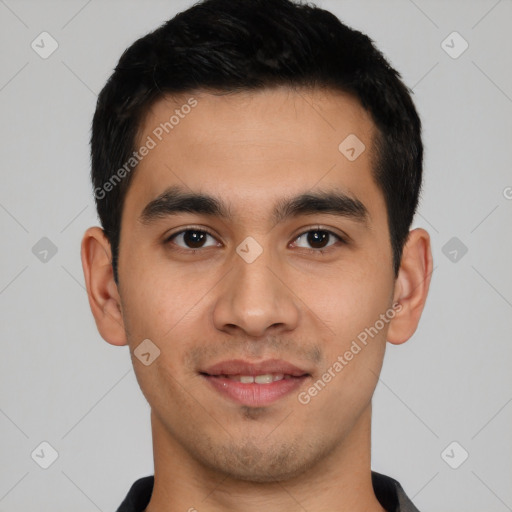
point(258, 379)
point(266, 379)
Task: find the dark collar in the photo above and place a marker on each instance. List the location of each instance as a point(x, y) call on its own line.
point(390, 494)
point(388, 491)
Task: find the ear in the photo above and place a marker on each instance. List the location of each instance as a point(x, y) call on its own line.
point(102, 290)
point(411, 286)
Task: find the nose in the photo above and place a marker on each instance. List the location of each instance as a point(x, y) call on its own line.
point(255, 297)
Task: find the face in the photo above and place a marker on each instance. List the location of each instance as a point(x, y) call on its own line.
point(288, 258)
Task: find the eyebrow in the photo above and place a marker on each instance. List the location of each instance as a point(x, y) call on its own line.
point(175, 200)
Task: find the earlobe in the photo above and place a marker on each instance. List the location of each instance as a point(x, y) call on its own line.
point(102, 291)
point(411, 287)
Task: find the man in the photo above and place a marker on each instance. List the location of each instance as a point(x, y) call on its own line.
point(256, 166)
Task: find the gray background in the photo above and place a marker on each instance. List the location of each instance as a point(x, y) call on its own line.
point(61, 383)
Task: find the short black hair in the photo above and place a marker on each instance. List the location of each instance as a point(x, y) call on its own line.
point(232, 46)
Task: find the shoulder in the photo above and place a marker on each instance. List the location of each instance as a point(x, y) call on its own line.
point(390, 494)
point(138, 496)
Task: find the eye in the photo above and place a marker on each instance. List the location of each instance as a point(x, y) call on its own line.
point(318, 239)
point(191, 239)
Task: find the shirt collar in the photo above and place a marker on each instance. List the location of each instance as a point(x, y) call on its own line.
point(389, 492)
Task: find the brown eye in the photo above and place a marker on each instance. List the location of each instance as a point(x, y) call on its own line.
point(191, 239)
point(317, 239)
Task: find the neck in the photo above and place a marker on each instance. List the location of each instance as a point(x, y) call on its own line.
point(339, 481)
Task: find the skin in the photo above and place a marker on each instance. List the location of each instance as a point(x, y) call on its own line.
point(252, 149)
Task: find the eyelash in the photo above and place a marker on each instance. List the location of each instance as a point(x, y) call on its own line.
point(318, 252)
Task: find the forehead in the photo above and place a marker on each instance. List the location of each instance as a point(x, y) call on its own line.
point(252, 146)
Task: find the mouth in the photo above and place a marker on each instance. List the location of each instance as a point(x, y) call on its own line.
point(257, 384)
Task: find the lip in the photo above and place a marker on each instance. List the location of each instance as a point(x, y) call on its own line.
point(253, 394)
point(241, 367)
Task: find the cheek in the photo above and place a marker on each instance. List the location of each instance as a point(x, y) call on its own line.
point(162, 307)
point(157, 295)
point(349, 299)
point(349, 306)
